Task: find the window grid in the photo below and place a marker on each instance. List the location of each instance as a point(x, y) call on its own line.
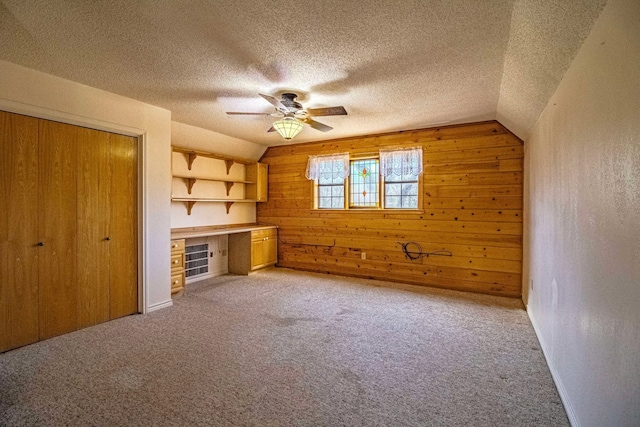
point(330, 193)
point(401, 195)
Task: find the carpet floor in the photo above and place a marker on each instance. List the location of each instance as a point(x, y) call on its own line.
point(289, 348)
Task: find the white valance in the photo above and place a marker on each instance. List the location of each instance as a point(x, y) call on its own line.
point(401, 162)
point(333, 166)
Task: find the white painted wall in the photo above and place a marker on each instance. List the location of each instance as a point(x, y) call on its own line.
point(31, 92)
point(183, 135)
point(583, 225)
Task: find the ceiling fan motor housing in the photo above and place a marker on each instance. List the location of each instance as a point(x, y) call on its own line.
point(289, 100)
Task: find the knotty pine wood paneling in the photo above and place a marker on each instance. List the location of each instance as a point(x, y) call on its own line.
point(471, 206)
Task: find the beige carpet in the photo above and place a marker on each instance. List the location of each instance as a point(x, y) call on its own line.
point(287, 348)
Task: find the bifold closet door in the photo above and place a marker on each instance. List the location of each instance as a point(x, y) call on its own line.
point(57, 224)
point(123, 256)
point(68, 228)
point(94, 216)
point(18, 230)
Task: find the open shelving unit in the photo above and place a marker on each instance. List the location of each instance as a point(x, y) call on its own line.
point(255, 181)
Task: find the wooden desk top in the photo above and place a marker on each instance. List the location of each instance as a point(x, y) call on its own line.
point(215, 230)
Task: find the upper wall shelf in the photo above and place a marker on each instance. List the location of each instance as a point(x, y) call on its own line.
point(190, 180)
point(192, 155)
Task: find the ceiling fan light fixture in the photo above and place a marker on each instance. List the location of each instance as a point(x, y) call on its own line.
point(287, 127)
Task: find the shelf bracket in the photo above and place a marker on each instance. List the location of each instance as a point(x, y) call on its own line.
point(228, 204)
point(229, 185)
point(191, 158)
point(190, 182)
point(190, 204)
point(229, 163)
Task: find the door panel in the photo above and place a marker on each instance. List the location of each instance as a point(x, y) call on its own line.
point(18, 230)
point(124, 225)
point(257, 255)
point(271, 250)
point(94, 186)
point(57, 222)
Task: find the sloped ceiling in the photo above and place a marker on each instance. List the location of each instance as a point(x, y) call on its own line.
point(394, 65)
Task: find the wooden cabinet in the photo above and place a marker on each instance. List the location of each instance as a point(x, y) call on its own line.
point(254, 182)
point(177, 265)
point(68, 228)
point(252, 250)
point(257, 175)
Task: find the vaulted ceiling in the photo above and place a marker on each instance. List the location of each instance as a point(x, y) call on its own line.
point(394, 65)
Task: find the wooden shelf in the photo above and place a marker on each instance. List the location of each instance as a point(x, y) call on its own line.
point(190, 180)
point(192, 155)
point(192, 201)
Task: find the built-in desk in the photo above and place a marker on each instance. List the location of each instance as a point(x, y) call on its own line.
point(251, 246)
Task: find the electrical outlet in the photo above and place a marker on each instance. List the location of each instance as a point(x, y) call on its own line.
point(363, 255)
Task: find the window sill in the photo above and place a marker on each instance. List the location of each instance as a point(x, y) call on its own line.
point(365, 210)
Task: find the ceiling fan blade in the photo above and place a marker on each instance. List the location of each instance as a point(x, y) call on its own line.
point(274, 101)
point(316, 125)
point(328, 111)
point(237, 113)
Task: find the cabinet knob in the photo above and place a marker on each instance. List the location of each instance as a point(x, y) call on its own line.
point(40, 243)
point(107, 238)
point(175, 261)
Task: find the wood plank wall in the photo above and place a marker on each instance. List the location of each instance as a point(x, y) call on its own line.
point(471, 206)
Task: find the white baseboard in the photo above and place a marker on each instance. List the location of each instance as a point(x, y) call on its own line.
point(562, 391)
point(159, 306)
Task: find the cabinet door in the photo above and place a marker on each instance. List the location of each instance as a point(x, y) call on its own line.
point(94, 180)
point(262, 184)
point(270, 249)
point(123, 246)
point(57, 222)
point(257, 254)
point(18, 230)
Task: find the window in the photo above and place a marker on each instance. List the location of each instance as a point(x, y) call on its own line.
point(364, 184)
point(330, 188)
point(388, 182)
point(329, 174)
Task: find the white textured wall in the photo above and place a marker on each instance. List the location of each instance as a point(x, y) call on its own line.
point(31, 92)
point(583, 225)
point(183, 135)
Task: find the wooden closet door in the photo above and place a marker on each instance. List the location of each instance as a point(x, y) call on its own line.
point(123, 257)
point(57, 222)
point(94, 213)
point(18, 230)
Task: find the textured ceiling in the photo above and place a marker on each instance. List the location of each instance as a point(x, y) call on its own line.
point(394, 65)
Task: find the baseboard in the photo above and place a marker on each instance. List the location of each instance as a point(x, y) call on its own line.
point(562, 391)
point(159, 306)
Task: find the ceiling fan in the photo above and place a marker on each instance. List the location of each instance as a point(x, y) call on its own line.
point(293, 115)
